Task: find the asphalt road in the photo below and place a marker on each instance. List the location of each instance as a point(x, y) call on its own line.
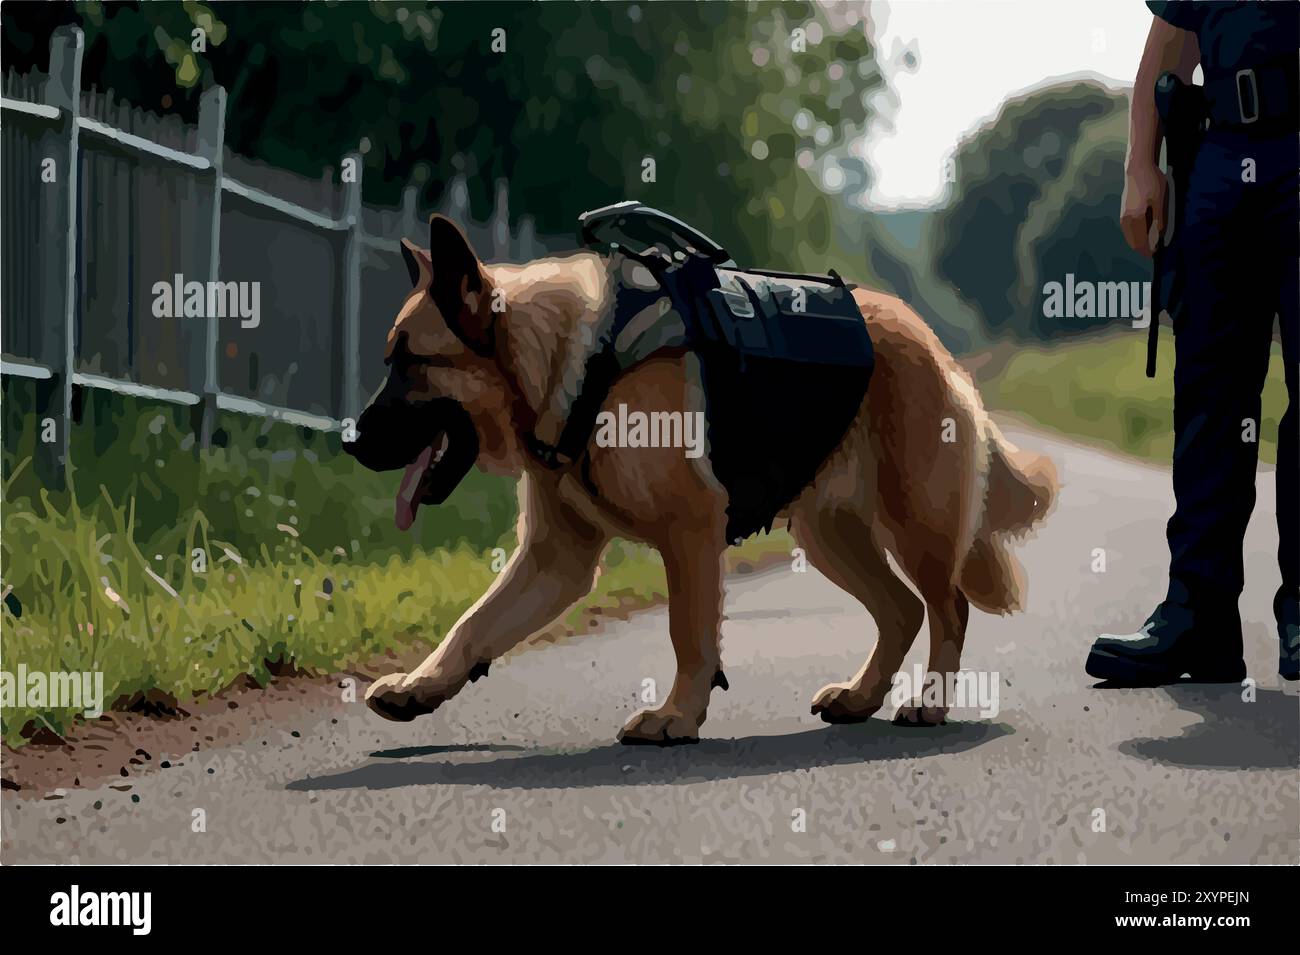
point(523, 766)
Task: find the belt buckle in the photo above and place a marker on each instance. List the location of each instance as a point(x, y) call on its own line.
point(1254, 96)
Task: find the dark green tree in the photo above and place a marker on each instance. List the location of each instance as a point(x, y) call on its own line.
point(745, 108)
point(1036, 196)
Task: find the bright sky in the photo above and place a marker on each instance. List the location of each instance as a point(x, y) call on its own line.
point(970, 56)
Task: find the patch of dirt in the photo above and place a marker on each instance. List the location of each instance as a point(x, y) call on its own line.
point(123, 744)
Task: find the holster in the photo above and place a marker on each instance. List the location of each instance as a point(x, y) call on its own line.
point(1182, 111)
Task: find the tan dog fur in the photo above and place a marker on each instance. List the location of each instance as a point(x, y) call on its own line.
point(946, 511)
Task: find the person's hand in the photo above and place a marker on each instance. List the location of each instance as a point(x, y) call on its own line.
point(1142, 209)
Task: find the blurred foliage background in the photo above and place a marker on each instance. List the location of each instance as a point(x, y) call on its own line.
point(1036, 195)
point(730, 103)
point(749, 111)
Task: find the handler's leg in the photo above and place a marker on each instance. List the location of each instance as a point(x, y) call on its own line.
point(553, 568)
point(1286, 604)
point(1221, 345)
point(1222, 360)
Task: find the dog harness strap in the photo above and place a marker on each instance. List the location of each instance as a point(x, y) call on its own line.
point(784, 357)
point(638, 328)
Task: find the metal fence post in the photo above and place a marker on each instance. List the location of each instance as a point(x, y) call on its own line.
point(351, 392)
point(501, 222)
point(211, 146)
point(64, 92)
point(410, 217)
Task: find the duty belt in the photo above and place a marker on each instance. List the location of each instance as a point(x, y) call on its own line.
point(1263, 98)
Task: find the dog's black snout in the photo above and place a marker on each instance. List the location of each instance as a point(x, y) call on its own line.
point(390, 433)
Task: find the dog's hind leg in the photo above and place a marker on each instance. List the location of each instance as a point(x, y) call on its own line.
point(553, 567)
point(840, 544)
point(948, 614)
point(693, 562)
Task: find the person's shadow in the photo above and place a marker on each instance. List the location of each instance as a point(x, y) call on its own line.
point(1232, 733)
point(618, 765)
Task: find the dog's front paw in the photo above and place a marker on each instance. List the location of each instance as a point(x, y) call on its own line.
point(916, 714)
point(395, 698)
point(659, 728)
point(841, 703)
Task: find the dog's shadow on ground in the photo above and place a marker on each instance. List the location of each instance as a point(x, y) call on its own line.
point(1232, 733)
point(617, 765)
point(406, 752)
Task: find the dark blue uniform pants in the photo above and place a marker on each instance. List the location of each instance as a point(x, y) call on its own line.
point(1240, 250)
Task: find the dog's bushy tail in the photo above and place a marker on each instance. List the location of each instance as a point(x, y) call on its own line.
point(1021, 489)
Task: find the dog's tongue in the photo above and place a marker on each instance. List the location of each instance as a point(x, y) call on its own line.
point(407, 503)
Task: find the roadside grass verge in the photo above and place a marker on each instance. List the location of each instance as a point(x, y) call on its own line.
point(81, 595)
point(258, 475)
point(1097, 389)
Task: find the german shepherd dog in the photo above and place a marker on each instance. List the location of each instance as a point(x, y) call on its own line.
point(922, 474)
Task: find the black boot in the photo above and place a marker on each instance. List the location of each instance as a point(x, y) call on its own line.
point(1287, 610)
point(1174, 641)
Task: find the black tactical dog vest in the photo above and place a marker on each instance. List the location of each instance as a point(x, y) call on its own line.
point(785, 358)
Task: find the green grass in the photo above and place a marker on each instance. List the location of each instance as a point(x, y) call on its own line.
point(1097, 389)
point(80, 594)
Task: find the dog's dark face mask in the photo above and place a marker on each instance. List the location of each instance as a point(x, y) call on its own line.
point(433, 439)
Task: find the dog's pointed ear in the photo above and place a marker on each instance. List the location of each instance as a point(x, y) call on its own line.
point(459, 286)
point(419, 264)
